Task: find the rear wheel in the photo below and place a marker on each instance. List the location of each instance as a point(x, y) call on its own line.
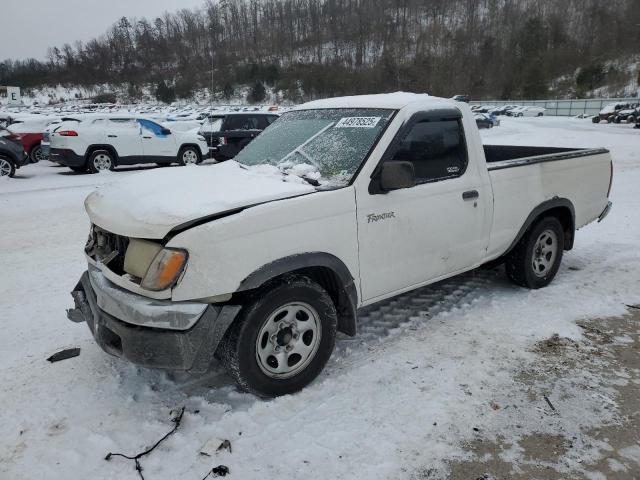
point(36, 154)
point(535, 260)
point(282, 339)
point(189, 156)
point(100, 161)
point(7, 168)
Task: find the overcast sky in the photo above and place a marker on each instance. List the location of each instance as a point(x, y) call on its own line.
point(29, 27)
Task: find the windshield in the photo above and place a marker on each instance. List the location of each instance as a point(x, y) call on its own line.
point(325, 147)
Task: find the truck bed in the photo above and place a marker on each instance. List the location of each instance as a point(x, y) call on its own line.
point(508, 156)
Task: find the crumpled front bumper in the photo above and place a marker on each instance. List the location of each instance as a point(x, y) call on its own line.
point(186, 339)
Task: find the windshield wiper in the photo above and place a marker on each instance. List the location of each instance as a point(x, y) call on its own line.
point(299, 149)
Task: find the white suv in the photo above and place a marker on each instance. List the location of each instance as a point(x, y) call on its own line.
point(102, 143)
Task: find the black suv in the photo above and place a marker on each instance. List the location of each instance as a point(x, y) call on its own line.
point(227, 134)
point(12, 155)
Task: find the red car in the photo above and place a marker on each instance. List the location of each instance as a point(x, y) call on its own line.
point(29, 132)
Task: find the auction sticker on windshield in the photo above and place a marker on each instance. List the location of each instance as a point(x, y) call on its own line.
point(358, 122)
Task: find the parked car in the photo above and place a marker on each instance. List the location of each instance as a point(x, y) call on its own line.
point(246, 272)
point(30, 132)
point(462, 98)
point(227, 134)
point(12, 154)
point(627, 115)
point(502, 110)
point(527, 111)
point(485, 120)
point(103, 143)
point(609, 111)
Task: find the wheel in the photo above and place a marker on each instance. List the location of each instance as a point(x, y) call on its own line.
point(617, 120)
point(631, 119)
point(78, 169)
point(7, 168)
point(282, 339)
point(535, 260)
point(189, 156)
point(541, 114)
point(596, 119)
point(36, 154)
point(101, 160)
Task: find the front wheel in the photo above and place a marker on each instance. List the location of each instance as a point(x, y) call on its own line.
point(7, 168)
point(535, 260)
point(282, 339)
point(189, 156)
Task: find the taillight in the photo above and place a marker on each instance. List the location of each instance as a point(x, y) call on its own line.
point(610, 180)
point(68, 133)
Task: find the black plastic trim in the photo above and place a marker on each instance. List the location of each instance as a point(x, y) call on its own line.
point(538, 211)
point(347, 321)
point(519, 162)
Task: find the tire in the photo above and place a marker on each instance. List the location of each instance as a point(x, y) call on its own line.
point(541, 114)
point(631, 119)
point(617, 120)
point(36, 154)
point(78, 169)
point(7, 168)
point(596, 119)
point(189, 156)
point(101, 160)
point(251, 346)
point(535, 260)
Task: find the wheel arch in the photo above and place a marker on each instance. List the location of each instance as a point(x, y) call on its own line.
point(193, 145)
point(562, 209)
point(325, 269)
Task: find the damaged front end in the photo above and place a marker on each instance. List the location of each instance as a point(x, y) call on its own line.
point(149, 332)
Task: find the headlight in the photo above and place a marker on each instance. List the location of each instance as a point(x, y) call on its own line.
point(165, 269)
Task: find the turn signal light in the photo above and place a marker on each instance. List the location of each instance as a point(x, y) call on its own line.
point(165, 269)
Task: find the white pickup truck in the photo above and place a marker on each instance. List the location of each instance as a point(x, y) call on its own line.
point(339, 204)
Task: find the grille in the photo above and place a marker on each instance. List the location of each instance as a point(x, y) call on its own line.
point(107, 248)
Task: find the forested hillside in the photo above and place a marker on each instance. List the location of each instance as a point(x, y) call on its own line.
point(312, 48)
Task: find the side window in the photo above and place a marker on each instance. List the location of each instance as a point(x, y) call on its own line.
point(151, 127)
point(436, 148)
point(241, 122)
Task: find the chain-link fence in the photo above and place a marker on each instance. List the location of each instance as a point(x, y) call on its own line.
point(564, 108)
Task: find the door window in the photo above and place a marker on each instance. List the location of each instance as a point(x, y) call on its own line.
point(437, 150)
point(241, 122)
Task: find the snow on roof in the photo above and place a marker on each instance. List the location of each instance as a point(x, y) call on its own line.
point(394, 101)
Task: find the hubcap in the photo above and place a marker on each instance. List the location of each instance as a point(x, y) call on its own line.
point(102, 162)
point(5, 168)
point(288, 340)
point(545, 252)
point(189, 157)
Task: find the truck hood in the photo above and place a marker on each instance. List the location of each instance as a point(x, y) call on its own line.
point(151, 204)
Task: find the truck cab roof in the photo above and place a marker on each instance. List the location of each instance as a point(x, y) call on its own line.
point(394, 101)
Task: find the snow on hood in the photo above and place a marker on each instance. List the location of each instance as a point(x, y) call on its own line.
point(151, 204)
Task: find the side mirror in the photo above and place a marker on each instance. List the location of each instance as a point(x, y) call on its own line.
point(396, 175)
point(165, 131)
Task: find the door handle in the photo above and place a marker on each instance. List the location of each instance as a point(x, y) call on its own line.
point(149, 138)
point(470, 195)
point(112, 136)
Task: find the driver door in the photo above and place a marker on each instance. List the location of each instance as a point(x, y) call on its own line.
point(416, 235)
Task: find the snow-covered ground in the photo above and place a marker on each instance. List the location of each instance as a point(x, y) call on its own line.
point(399, 400)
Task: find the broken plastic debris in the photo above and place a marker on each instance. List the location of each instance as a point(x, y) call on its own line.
point(214, 445)
point(64, 354)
